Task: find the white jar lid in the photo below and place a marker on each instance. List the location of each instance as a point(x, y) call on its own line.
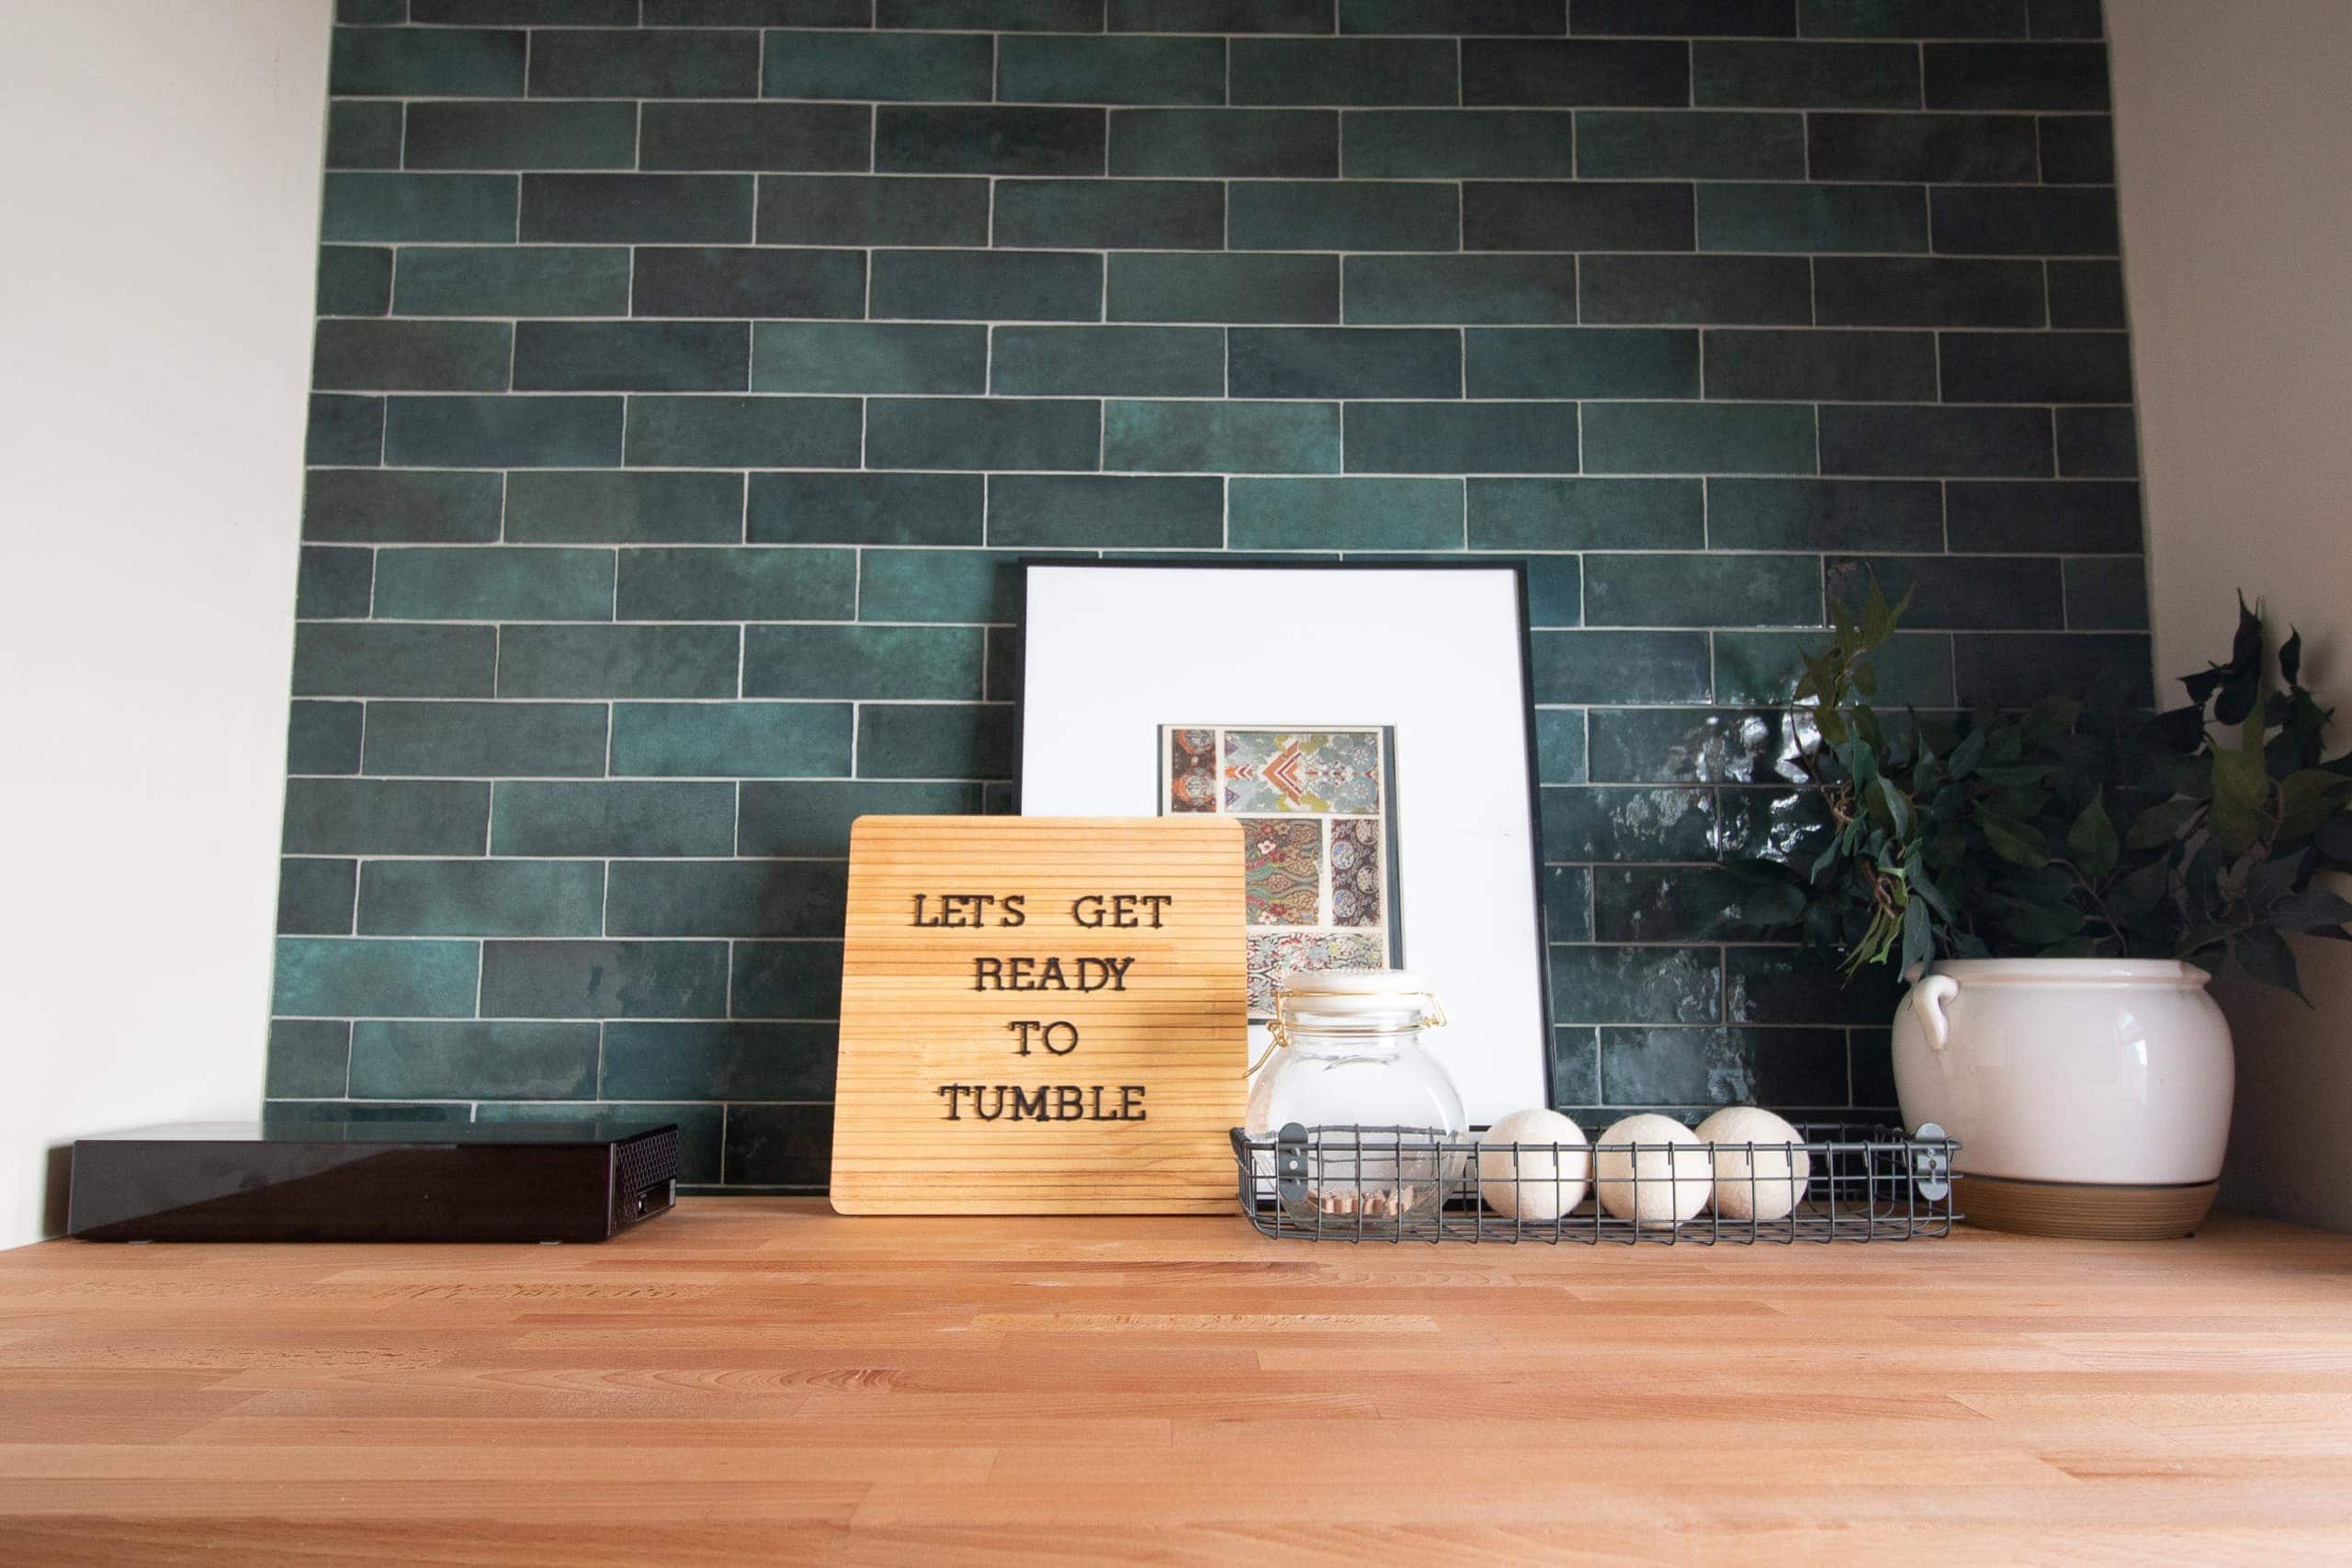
point(1353, 983)
point(1375, 998)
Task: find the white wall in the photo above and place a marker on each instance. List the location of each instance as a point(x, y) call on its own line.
point(2233, 132)
point(159, 176)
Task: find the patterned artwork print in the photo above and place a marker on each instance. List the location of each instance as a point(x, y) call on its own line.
point(1319, 840)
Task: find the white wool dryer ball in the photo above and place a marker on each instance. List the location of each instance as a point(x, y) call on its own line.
point(1766, 1184)
point(1660, 1186)
point(1547, 1184)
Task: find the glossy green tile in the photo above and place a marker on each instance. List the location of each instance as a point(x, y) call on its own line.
point(644, 63)
point(1637, 745)
point(371, 11)
point(2016, 75)
point(779, 1145)
point(731, 739)
point(1581, 362)
point(1805, 75)
point(1637, 984)
point(355, 280)
point(1230, 437)
point(334, 1112)
point(1555, 590)
point(861, 356)
point(428, 1061)
point(845, 662)
point(936, 67)
point(971, 139)
point(2086, 294)
point(1577, 72)
point(590, 507)
point(935, 740)
point(891, 210)
point(531, 818)
point(1691, 438)
point(1761, 217)
point(983, 432)
point(616, 661)
point(1095, 361)
point(1960, 441)
point(1225, 143)
point(1912, 18)
point(749, 897)
point(1329, 362)
point(1346, 515)
point(1899, 291)
point(2014, 592)
point(1621, 666)
point(786, 980)
point(1449, 16)
point(1343, 215)
point(734, 433)
point(481, 897)
point(2036, 367)
point(386, 816)
point(1777, 985)
point(1765, 514)
point(719, 1061)
point(1006, 16)
point(2110, 593)
point(1619, 215)
point(1343, 70)
point(512, 280)
point(449, 135)
point(1438, 144)
point(1110, 70)
point(345, 659)
point(865, 508)
point(324, 738)
point(2077, 149)
point(1158, 215)
point(478, 583)
point(632, 356)
point(1219, 17)
point(314, 896)
point(526, 13)
point(2021, 221)
point(338, 978)
point(1567, 892)
point(1064, 511)
point(1560, 745)
point(1759, 19)
point(750, 583)
point(2016, 669)
point(1574, 513)
point(307, 1057)
point(1707, 145)
point(1206, 286)
point(412, 356)
point(1708, 1068)
point(604, 979)
point(363, 134)
point(333, 583)
point(754, 136)
point(814, 818)
point(502, 432)
point(344, 430)
point(2098, 443)
point(419, 62)
point(1697, 291)
point(1575, 1061)
point(1674, 902)
point(655, 209)
point(1846, 366)
point(1484, 438)
point(1398, 290)
point(736, 280)
point(485, 740)
point(1763, 667)
point(1703, 591)
point(1007, 285)
point(1986, 148)
point(419, 207)
point(938, 585)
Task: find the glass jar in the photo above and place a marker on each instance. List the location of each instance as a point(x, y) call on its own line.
point(1347, 1064)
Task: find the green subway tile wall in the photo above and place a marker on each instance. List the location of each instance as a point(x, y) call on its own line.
point(689, 373)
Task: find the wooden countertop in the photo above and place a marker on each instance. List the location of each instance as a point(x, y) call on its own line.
point(758, 1377)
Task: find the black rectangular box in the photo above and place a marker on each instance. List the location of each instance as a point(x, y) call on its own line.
point(372, 1181)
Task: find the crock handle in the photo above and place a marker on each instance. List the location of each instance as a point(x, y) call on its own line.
point(1927, 999)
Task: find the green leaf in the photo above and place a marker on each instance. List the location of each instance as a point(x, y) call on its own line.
point(2011, 775)
point(2092, 839)
point(2037, 926)
point(2240, 789)
point(2264, 955)
point(2050, 718)
point(1918, 942)
point(2290, 657)
point(2308, 910)
point(2161, 823)
point(1969, 755)
point(2016, 843)
point(2309, 797)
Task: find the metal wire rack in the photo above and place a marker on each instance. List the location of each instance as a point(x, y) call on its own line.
point(1846, 1181)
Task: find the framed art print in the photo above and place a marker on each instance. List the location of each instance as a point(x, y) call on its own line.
point(1369, 725)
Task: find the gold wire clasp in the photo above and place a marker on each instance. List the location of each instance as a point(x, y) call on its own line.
point(1278, 1027)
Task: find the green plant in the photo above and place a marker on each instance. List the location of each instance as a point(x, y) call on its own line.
point(2067, 830)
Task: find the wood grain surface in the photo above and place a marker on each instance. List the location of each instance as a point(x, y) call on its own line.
point(1132, 1084)
point(760, 1379)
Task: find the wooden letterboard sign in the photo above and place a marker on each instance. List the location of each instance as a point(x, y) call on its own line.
point(1040, 1015)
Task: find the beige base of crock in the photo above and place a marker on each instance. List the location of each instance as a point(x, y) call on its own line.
point(2083, 1210)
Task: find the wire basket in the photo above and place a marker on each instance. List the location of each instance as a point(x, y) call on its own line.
point(1862, 1183)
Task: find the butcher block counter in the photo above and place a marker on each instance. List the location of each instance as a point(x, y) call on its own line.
point(756, 1379)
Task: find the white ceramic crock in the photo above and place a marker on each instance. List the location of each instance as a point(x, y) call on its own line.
point(2107, 1071)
